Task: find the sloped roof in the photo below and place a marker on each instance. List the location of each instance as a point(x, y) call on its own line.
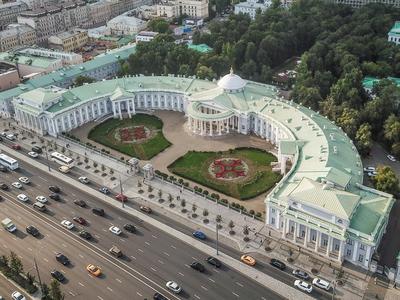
point(231, 81)
point(120, 93)
point(338, 177)
point(41, 96)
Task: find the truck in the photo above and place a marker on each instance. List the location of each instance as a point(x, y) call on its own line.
point(8, 225)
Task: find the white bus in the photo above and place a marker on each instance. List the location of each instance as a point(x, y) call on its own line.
point(8, 162)
point(62, 159)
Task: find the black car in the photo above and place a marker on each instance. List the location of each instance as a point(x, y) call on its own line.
point(98, 211)
point(3, 168)
point(32, 230)
point(37, 149)
point(213, 261)
point(278, 264)
point(158, 296)
point(62, 259)
point(197, 266)
point(3, 186)
point(80, 203)
point(55, 196)
point(86, 235)
point(129, 227)
point(57, 275)
point(301, 274)
point(54, 189)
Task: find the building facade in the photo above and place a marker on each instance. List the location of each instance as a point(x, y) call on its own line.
point(145, 36)
point(125, 25)
point(193, 8)
point(16, 35)
point(10, 11)
point(68, 41)
point(9, 77)
point(251, 7)
point(66, 58)
point(360, 3)
point(394, 33)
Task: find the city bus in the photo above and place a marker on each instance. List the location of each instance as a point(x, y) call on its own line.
point(62, 159)
point(8, 162)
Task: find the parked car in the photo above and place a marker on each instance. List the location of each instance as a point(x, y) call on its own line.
point(129, 227)
point(114, 250)
point(146, 209)
point(391, 157)
point(115, 230)
point(80, 203)
point(321, 283)
point(372, 174)
point(122, 198)
point(67, 224)
point(173, 286)
point(278, 264)
point(32, 231)
point(54, 189)
point(197, 266)
point(17, 296)
point(104, 190)
point(213, 261)
point(94, 270)
point(79, 220)
point(301, 274)
point(304, 286)
point(33, 154)
point(16, 147)
point(3, 186)
point(248, 260)
point(3, 169)
point(86, 235)
point(37, 149)
point(199, 234)
point(158, 296)
point(55, 196)
point(23, 198)
point(62, 259)
point(83, 180)
point(24, 179)
point(57, 275)
point(98, 211)
point(41, 199)
point(17, 185)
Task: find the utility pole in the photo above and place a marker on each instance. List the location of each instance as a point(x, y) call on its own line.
point(38, 275)
point(47, 158)
point(123, 198)
point(216, 244)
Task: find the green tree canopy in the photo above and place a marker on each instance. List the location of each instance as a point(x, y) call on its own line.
point(386, 180)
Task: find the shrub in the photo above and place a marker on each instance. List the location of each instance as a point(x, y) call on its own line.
point(205, 192)
point(251, 211)
point(258, 215)
point(186, 184)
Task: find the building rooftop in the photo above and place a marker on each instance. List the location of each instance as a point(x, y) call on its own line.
point(202, 48)
point(395, 30)
point(26, 59)
point(369, 81)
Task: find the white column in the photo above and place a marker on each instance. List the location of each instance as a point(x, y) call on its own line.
point(307, 233)
point(69, 121)
point(63, 123)
point(120, 110)
point(341, 250)
point(211, 127)
point(330, 240)
point(98, 109)
point(128, 108)
point(295, 232)
point(81, 114)
point(55, 128)
point(113, 108)
point(367, 257)
point(318, 241)
point(105, 106)
point(355, 250)
point(76, 119)
point(133, 106)
point(87, 113)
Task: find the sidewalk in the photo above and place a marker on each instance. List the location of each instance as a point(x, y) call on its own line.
point(259, 236)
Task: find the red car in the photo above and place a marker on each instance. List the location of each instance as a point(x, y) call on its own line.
point(80, 220)
point(121, 198)
point(16, 147)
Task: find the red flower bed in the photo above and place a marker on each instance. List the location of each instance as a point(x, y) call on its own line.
point(228, 168)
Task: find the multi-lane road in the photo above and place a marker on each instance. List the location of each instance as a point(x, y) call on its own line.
point(151, 256)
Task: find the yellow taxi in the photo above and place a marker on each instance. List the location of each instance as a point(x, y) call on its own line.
point(92, 269)
point(248, 260)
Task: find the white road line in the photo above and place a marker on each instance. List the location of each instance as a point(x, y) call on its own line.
point(239, 284)
point(163, 252)
point(62, 271)
point(119, 280)
point(97, 236)
point(154, 237)
point(194, 258)
point(71, 293)
point(73, 195)
point(105, 230)
point(263, 298)
point(216, 270)
point(38, 185)
point(147, 243)
point(100, 298)
point(119, 218)
point(173, 247)
point(140, 250)
point(110, 289)
point(181, 274)
point(204, 288)
point(14, 238)
point(235, 294)
point(187, 266)
point(154, 270)
point(161, 262)
point(212, 280)
point(21, 257)
point(122, 240)
point(139, 294)
point(44, 179)
point(80, 255)
point(196, 296)
point(81, 284)
point(133, 257)
point(5, 246)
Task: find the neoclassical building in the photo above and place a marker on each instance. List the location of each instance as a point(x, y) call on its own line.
point(320, 204)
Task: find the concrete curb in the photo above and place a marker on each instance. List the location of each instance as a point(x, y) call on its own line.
point(262, 278)
point(19, 288)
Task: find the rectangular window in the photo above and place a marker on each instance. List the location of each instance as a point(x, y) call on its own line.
point(273, 210)
point(348, 253)
point(325, 243)
point(273, 221)
point(361, 258)
point(349, 242)
point(362, 247)
point(337, 246)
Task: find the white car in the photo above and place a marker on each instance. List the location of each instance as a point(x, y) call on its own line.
point(323, 284)
point(173, 286)
point(41, 199)
point(24, 179)
point(304, 286)
point(369, 169)
point(391, 157)
point(83, 179)
point(67, 224)
point(23, 197)
point(17, 185)
point(115, 230)
point(372, 174)
point(17, 296)
point(33, 154)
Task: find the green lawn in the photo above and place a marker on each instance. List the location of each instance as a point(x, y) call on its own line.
point(104, 134)
point(194, 166)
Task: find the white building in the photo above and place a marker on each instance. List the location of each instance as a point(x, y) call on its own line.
point(394, 33)
point(174, 8)
point(250, 7)
point(125, 25)
point(145, 36)
point(67, 58)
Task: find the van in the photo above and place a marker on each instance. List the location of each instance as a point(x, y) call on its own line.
point(114, 250)
point(39, 206)
point(98, 211)
point(323, 284)
point(64, 169)
point(37, 149)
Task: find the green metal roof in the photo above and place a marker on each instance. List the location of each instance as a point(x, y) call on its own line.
point(26, 59)
point(369, 81)
point(395, 30)
point(202, 48)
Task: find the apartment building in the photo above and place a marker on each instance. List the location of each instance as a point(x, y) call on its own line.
point(10, 11)
point(16, 35)
point(251, 7)
point(68, 41)
point(193, 8)
point(359, 3)
point(8, 76)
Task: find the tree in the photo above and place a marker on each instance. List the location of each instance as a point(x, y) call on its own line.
point(149, 188)
point(392, 129)
point(81, 79)
point(218, 218)
point(103, 168)
point(45, 292)
point(348, 120)
point(15, 264)
point(183, 202)
point(246, 232)
point(159, 25)
point(386, 180)
point(205, 212)
point(231, 225)
point(194, 208)
point(364, 139)
point(160, 194)
point(55, 290)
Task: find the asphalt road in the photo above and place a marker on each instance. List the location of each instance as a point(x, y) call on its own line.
point(151, 257)
point(7, 288)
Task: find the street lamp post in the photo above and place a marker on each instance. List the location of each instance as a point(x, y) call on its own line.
point(47, 158)
point(216, 243)
point(122, 198)
point(38, 275)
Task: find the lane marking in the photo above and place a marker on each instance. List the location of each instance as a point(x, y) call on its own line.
point(153, 269)
point(122, 240)
point(100, 298)
point(166, 253)
point(44, 179)
point(187, 266)
point(80, 255)
point(180, 274)
point(104, 230)
point(263, 298)
point(30, 249)
point(133, 257)
point(81, 284)
point(194, 258)
point(235, 294)
point(196, 296)
point(140, 250)
point(119, 280)
point(212, 280)
point(216, 270)
point(97, 236)
point(239, 284)
point(204, 288)
point(154, 237)
point(65, 246)
point(71, 293)
point(139, 294)
point(45, 259)
point(110, 289)
point(161, 262)
point(173, 247)
point(147, 243)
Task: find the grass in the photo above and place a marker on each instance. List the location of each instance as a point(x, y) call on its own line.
point(104, 134)
point(194, 166)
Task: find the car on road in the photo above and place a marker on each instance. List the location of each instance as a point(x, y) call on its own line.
point(94, 270)
point(115, 230)
point(79, 220)
point(33, 154)
point(62, 259)
point(23, 198)
point(146, 209)
point(37, 149)
point(213, 261)
point(86, 235)
point(41, 199)
point(391, 157)
point(17, 296)
point(98, 211)
point(67, 224)
point(197, 266)
point(54, 189)
point(64, 169)
point(304, 286)
point(3, 186)
point(24, 179)
point(369, 169)
point(16, 147)
point(57, 275)
point(158, 296)
point(114, 250)
point(17, 185)
point(123, 198)
point(277, 264)
point(3, 169)
point(55, 196)
point(199, 234)
point(301, 274)
point(248, 260)
point(372, 174)
point(321, 283)
point(32, 231)
point(104, 190)
point(130, 227)
point(10, 137)
point(80, 203)
point(173, 286)
point(83, 180)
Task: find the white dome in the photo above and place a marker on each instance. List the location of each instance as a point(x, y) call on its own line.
point(231, 82)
